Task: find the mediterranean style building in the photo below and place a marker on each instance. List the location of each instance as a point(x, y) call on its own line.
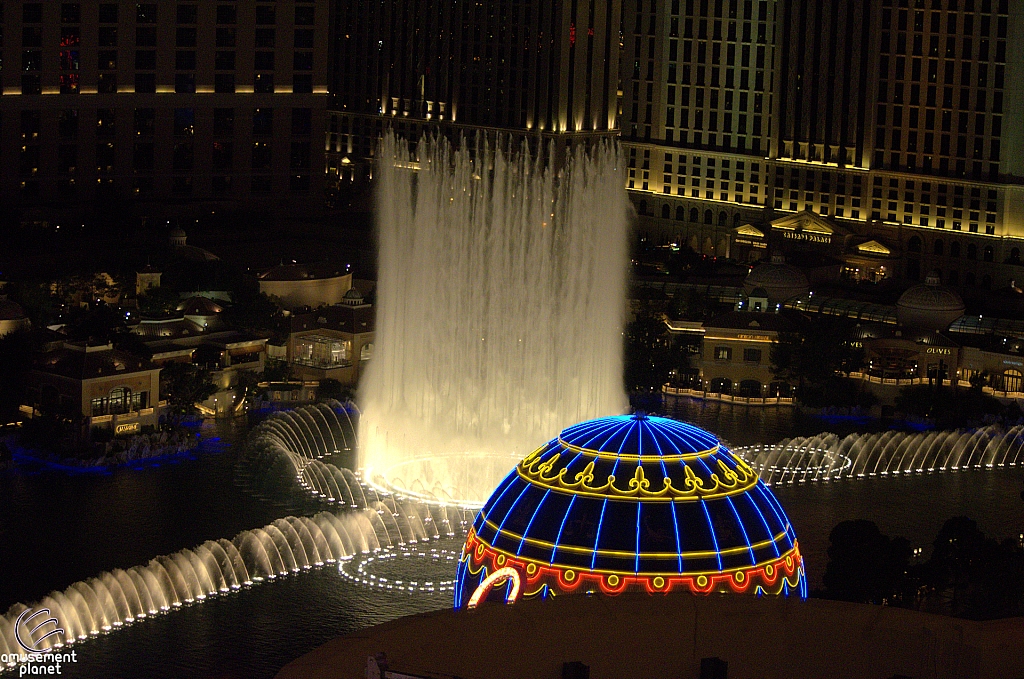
point(111, 389)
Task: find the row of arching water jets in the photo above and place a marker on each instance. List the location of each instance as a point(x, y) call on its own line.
point(828, 457)
point(371, 522)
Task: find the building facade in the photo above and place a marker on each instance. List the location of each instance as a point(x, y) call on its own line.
point(901, 120)
point(548, 68)
point(213, 103)
point(334, 342)
point(735, 357)
point(111, 389)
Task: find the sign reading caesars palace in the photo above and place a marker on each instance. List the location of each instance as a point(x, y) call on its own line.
point(810, 237)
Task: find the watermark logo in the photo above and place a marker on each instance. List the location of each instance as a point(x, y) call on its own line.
point(41, 618)
point(31, 630)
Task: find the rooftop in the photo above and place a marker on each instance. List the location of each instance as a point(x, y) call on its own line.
point(668, 636)
point(80, 362)
point(752, 320)
point(301, 272)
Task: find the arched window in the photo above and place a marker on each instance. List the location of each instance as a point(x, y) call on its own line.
point(954, 249)
point(366, 351)
point(709, 217)
point(972, 251)
point(937, 247)
point(665, 211)
point(723, 218)
point(969, 278)
point(989, 253)
point(750, 388)
point(120, 399)
point(721, 385)
point(1015, 255)
point(736, 219)
point(986, 282)
point(954, 278)
point(680, 213)
point(642, 208)
point(914, 244)
point(694, 215)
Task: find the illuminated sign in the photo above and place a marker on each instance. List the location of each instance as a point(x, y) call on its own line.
point(760, 338)
point(131, 428)
point(809, 237)
point(936, 350)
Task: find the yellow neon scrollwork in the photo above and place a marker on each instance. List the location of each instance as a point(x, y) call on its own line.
point(724, 481)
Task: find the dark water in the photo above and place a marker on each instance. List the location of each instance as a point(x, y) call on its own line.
point(57, 528)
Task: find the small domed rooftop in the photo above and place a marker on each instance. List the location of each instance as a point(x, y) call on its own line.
point(629, 503)
point(779, 280)
point(10, 310)
point(929, 306)
point(199, 306)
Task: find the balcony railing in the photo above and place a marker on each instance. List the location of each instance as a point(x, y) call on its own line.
point(729, 398)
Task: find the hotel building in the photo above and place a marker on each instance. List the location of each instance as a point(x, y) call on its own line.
point(897, 125)
point(209, 103)
point(543, 69)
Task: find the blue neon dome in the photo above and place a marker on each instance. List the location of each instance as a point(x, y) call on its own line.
point(630, 502)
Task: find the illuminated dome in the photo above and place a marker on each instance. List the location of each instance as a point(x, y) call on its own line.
point(629, 503)
point(929, 306)
point(779, 280)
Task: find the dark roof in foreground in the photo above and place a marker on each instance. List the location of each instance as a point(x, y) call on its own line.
point(666, 637)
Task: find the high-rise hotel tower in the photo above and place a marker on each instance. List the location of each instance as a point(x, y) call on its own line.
point(539, 68)
point(887, 134)
point(196, 104)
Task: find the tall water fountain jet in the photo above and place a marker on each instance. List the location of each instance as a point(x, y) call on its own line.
point(501, 297)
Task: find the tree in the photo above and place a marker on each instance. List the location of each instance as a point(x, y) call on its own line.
point(648, 351)
point(159, 301)
point(36, 299)
point(682, 260)
point(957, 550)
point(814, 355)
point(99, 323)
point(184, 385)
point(16, 350)
point(694, 306)
point(864, 565)
point(252, 310)
point(329, 388)
point(276, 370)
point(246, 383)
point(949, 408)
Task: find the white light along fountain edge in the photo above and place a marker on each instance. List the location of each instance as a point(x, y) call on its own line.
point(289, 545)
point(827, 457)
